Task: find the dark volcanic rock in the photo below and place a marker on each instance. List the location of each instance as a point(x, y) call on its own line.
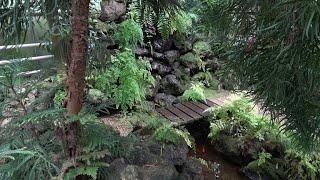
point(171, 85)
point(141, 156)
point(116, 168)
point(227, 145)
point(171, 56)
point(213, 64)
point(159, 56)
point(161, 45)
point(2, 96)
point(160, 68)
point(181, 72)
point(142, 51)
point(182, 44)
point(112, 10)
point(192, 170)
point(176, 155)
point(152, 91)
point(117, 164)
point(159, 172)
point(165, 100)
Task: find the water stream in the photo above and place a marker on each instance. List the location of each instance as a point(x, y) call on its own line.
point(228, 170)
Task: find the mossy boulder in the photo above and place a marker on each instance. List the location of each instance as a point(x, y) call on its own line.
point(190, 60)
point(171, 56)
point(112, 10)
point(229, 146)
point(182, 43)
point(189, 57)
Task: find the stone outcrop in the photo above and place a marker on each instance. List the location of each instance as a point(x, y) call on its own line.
point(112, 10)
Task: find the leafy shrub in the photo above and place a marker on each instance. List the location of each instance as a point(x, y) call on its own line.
point(43, 155)
point(59, 97)
point(189, 57)
point(125, 80)
point(239, 120)
point(201, 47)
point(167, 16)
point(156, 122)
point(34, 144)
point(180, 23)
point(239, 115)
point(261, 160)
point(129, 34)
point(167, 134)
point(195, 92)
point(207, 79)
point(302, 166)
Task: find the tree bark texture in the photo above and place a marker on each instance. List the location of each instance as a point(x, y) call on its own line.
point(76, 69)
point(78, 55)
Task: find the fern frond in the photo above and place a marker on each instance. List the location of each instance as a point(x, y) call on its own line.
point(129, 34)
point(36, 117)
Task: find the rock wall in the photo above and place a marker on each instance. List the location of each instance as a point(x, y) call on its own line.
point(152, 161)
point(173, 61)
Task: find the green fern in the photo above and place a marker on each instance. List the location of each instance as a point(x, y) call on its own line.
point(59, 97)
point(166, 15)
point(207, 79)
point(129, 34)
point(262, 159)
point(6, 153)
point(38, 116)
point(166, 134)
point(126, 79)
point(195, 93)
point(275, 57)
point(302, 166)
point(169, 135)
point(202, 47)
point(182, 22)
point(164, 26)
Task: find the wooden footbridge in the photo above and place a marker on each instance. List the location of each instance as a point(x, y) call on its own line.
point(190, 111)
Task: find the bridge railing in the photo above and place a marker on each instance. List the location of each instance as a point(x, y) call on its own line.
point(35, 58)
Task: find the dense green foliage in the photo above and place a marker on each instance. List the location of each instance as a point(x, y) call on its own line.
point(129, 34)
point(256, 136)
point(39, 154)
point(33, 142)
point(274, 53)
point(195, 93)
point(125, 80)
point(167, 16)
point(167, 134)
point(271, 51)
point(241, 119)
point(17, 17)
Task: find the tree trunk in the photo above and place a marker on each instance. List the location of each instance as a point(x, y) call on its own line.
point(77, 66)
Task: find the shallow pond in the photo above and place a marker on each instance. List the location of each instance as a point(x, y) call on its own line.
point(228, 170)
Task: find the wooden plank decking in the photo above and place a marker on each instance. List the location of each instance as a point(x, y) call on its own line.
point(188, 112)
